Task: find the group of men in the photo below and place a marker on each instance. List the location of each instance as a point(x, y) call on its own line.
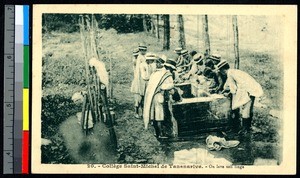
point(154, 90)
point(153, 82)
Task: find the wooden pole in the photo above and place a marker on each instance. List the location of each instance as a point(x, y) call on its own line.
point(110, 126)
point(206, 35)
point(110, 77)
point(87, 119)
point(236, 42)
point(84, 107)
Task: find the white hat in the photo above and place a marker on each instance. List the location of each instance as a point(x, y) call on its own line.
point(170, 63)
point(142, 47)
point(184, 52)
point(178, 50)
point(162, 58)
point(198, 58)
point(221, 64)
point(151, 56)
point(135, 51)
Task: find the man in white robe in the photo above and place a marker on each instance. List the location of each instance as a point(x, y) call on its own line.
point(138, 84)
point(161, 81)
point(244, 90)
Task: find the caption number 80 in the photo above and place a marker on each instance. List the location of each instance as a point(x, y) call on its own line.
point(91, 166)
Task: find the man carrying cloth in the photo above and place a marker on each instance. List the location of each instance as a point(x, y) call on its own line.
point(244, 89)
point(159, 86)
point(138, 84)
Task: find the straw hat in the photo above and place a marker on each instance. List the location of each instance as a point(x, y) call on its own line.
point(221, 64)
point(198, 58)
point(135, 52)
point(142, 47)
point(150, 56)
point(170, 63)
point(162, 59)
point(215, 57)
point(178, 50)
point(184, 52)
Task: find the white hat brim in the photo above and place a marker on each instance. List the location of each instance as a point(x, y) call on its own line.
point(169, 65)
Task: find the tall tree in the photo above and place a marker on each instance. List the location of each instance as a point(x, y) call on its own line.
point(145, 22)
point(181, 32)
point(153, 25)
point(157, 26)
point(236, 42)
point(206, 34)
point(166, 45)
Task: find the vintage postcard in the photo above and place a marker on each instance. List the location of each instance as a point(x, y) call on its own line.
point(164, 89)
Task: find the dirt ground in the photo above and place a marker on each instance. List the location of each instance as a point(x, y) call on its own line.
point(62, 52)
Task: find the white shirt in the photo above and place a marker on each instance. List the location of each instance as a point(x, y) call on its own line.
point(242, 85)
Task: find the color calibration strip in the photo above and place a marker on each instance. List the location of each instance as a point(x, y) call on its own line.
point(16, 90)
point(25, 143)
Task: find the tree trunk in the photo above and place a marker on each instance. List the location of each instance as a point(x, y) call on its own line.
point(145, 23)
point(157, 26)
point(181, 32)
point(206, 35)
point(166, 45)
point(198, 46)
point(236, 42)
point(153, 25)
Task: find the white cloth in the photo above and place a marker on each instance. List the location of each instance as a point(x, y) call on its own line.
point(217, 143)
point(161, 79)
point(242, 86)
point(101, 70)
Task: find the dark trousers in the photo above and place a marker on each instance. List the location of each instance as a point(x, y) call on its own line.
point(234, 115)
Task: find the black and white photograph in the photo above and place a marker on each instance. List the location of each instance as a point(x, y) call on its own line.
point(164, 89)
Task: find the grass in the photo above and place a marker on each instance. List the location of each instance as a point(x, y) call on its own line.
point(63, 71)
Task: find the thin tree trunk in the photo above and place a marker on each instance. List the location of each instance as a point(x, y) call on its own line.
point(166, 45)
point(181, 32)
point(145, 23)
point(198, 46)
point(153, 25)
point(236, 42)
point(206, 35)
point(157, 26)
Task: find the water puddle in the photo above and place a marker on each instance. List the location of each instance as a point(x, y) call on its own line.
point(94, 148)
point(198, 156)
point(248, 152)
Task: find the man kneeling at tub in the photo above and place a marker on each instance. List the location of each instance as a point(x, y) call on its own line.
point(159, 86)
point(244, 90)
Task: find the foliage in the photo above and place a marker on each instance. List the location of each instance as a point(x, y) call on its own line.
point(60, 22)
point(56, 152)
point(122, 23)
point(55, 109)
point(62, 71)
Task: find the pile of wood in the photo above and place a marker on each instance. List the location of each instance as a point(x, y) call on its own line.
point(96, 97)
